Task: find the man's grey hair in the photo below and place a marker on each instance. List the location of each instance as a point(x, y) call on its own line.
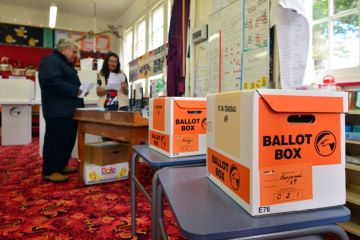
point(64, 43)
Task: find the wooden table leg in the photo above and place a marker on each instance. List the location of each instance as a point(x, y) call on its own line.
point(81, 145)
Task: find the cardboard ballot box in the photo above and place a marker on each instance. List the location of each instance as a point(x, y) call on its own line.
point(106, 153)
point(177, 126)
point(276, 151)
point(99, 174)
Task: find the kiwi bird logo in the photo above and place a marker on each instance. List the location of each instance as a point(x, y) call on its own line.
point(325, 143)
point(15, 111)
point(234, 177)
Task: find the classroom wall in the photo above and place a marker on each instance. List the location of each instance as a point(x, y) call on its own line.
point(199, 15)
point(39, 18)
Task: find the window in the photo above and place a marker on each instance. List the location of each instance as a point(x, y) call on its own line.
point(169, 15)
point(140, 42)
point(335, 34)
point(127, 50)
point(157, 27)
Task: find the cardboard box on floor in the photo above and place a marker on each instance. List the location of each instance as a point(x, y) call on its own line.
point(99, 174)
point(275, 151)
point(106, 153)
point(105, 162)
point(177, 126)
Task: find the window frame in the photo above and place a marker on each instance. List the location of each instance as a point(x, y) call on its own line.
point(136, 40)
point(329, 19)
point(161, 4)
point(127, 48)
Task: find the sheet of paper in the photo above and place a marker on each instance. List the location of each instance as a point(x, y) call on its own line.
point(293, 34)
point(256, 56)
point(214, 53)
point(255, 69)
point(114, 81)
point(225, 48)
point(85, 88)
point(201, 70)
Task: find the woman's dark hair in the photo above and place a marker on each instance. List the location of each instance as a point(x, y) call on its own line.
point(105, 67)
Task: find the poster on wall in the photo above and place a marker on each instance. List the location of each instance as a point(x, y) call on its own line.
point(21, 35)
point(256, 55)
point(157, 87)
point(157, 58)
point(133, 70)
point(225, 48)
point(86, 44)
point(75, 36)
point(144, 66)
point(59, 34)
point(239, 40)
point(201, 70)
point(103, 44)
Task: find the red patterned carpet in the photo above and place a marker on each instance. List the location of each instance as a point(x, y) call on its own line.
point(33, 209)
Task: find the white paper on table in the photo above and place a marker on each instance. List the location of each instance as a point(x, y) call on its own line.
point(293, 33)
point(85, 88)
point(114, 81)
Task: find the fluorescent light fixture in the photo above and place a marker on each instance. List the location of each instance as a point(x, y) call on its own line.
point(52, 15)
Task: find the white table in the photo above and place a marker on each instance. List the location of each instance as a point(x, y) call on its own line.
point(16, 99)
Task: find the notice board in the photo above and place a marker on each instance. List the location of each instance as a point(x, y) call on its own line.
point(238, 46)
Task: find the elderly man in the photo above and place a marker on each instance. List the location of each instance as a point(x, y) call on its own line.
point(59, 84)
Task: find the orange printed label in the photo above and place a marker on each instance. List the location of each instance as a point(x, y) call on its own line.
point(234, 175)
point(189, 117)
point(283, 184)
point(288, 149)
point(159, 114)
point(185, 143)
point(282, 142)
point(159, 140)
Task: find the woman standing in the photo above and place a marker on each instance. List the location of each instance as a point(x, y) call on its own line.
point(111, 97)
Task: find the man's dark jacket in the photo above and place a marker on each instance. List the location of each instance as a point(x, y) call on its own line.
point(59, 85)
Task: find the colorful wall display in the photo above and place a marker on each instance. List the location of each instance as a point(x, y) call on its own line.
point(157, 59)
point(25, 36)
point(133, 70)
point(144, 66)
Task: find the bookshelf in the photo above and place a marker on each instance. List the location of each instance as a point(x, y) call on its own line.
point(353, 179)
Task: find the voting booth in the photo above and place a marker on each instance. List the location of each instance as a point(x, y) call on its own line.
point(16, 98)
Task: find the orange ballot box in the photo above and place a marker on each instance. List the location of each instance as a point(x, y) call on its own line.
point(177, 126)
point(276, 151)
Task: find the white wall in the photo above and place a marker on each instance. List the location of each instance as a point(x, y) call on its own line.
point(199, 15)
point(38, 18)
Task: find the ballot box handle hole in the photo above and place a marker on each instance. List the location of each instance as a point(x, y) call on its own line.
point(194, 112)
point(116, 152)
point(301, 119)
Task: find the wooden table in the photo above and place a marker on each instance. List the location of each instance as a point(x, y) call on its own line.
point(123, 126)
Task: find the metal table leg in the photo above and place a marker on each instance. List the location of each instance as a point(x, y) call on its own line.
point(154, 217)
point(159, 223)
point(133, 194)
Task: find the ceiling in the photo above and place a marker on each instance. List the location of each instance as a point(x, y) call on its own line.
point(105, 9)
